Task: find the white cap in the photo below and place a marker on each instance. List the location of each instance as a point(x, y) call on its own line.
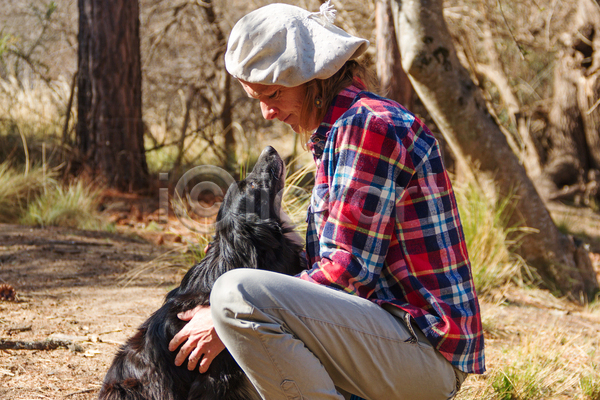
point(281, 44)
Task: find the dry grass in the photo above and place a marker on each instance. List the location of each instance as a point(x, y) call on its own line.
point(490, 241)
point(34, 106)
point(538, 355)
point(17, 189)
point(35, 197)
point(74, 205)
point(296, 196)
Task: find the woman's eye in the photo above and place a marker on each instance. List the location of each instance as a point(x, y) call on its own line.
point(274, 95)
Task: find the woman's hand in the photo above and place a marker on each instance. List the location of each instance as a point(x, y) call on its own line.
point(201, 339)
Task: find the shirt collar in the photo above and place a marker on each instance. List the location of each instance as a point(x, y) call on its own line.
point(340, 104)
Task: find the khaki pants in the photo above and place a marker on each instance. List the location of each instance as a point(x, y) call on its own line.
point(298, 340)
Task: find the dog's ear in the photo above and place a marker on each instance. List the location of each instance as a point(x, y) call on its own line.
point(235, 246)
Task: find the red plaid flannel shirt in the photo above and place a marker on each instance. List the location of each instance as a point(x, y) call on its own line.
point(383, 222)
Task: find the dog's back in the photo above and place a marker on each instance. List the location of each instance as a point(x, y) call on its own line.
point(143, 367)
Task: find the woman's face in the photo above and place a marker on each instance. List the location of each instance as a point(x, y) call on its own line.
point(283, 103)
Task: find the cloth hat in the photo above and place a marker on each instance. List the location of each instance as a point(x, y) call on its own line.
point(281, 44)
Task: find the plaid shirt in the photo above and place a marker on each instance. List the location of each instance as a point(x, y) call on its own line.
point(383, 222)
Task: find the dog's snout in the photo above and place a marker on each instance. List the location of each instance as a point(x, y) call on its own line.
point(268, 151)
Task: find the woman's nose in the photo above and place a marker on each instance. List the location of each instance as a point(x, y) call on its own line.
point(268, 111)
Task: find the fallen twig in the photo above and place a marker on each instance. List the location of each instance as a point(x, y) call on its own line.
point(80, 392)
point(48, 344)
point(37, 242)
point(113, 331)
point(19, 329)
point(113, 342)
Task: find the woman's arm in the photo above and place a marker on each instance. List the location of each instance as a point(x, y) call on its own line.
point(354, 202)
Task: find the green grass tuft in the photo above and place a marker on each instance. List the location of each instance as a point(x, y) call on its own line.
point(590, 387)
point(35, 197)
point(512, 383)
point(75, 206)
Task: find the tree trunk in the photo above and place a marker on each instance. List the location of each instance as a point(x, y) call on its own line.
point(110, 128)
point(227, 122)
point(525, 147)
point(573, 157)
point(224, 101)
point(459, 110)
point(566, 157)
point(393, 80)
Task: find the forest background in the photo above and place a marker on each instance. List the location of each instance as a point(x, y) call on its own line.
point(525, 164)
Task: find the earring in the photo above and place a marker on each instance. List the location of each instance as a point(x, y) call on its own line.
point(318, 102)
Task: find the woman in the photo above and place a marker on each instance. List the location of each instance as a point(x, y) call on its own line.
point(383, 231)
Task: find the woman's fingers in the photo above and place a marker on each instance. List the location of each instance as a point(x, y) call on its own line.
point(185, 332)
point(185, 350)
point(198, 340)
point(211, 354)
point(210, 351)
point(179, 338)
point(182, 355)
point(189, 314)
point(194, 357)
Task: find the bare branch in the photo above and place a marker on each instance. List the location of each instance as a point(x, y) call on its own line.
point(521, 51)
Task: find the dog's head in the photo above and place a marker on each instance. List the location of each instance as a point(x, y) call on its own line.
point(258, 196)
point(251, 229)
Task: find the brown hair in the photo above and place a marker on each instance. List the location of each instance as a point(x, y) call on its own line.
point(326, 90)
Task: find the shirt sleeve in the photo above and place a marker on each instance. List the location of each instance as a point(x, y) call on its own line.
point(356, 203)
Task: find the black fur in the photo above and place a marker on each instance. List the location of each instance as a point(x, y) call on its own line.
point(249, 234)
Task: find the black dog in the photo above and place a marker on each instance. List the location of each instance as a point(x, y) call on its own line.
point(249, 234)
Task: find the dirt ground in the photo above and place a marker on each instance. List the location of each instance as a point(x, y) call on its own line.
point(70, 282)
point(80, 286)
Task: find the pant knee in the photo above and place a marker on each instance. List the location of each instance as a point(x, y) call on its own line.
point(225, 288)
point(239, 293)
point(229, 297)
